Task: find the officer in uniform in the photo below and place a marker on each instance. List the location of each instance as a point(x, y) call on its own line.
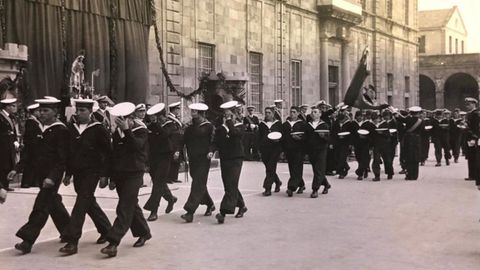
point(102, 115)
point(303, 113)
point(140, 112)
point(49, 163)
point(382, 148)
point(8, 140)
point(413, 128)
point(228, 140)
point(317, 133)
point(250, 121)
point(425, 138)
point(278, 109)
point(270, 149)
point(456, 134)
point(200, 148)
point(129, 156)
point(364, 146)
point(88, 163)
point(293, 141)
point(472, 135)
point(441, 137)
point(174, 116)
point(162, 150)
point(344, 139)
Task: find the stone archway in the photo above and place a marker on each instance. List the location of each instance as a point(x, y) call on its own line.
point(427, 93)
point(457, 87)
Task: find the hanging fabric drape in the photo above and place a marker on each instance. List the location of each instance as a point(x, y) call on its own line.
point(113, 33)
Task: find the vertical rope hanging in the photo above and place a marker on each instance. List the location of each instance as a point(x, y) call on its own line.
point(63, 37)
point(112, 32)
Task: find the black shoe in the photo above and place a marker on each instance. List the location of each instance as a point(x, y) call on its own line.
point(210, 210)
point(277, 186)
point(9, 189)
point(341, 176)
point(141, 241)
point(422, 163)
point(365, 174)
point(329, 173)
point(438, 165)
point(289, 193)
point(24, 186)
point(110, 250)
point(325, 189)
point(447, 162)
point(241, 211)
point(101, 240)
point(455, 160)
point(176, 181)
point(25, 247)
point(188, 217)
point(402, 172)
point(360, 178)
point(170, 205)
point(153, 216)
point(469, 179)
point(220, 218)
point(62, 240)
point(314, 194)
point(112, 186)
point(300, 190)
point(69, 249)
point(267, 193)
point(376, 179)
point(389, 177)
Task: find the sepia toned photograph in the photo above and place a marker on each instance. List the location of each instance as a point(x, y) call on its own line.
point(240, 134)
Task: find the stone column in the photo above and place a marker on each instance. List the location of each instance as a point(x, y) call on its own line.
point(345, 66)
point(324, 68)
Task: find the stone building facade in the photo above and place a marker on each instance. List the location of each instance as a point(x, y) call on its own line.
point(300, 51)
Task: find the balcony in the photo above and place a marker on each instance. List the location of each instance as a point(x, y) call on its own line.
point(343, 10)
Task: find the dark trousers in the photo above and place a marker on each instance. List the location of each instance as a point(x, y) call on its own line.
point(129, 213)
point(393, 150)
point(331, 162)
point(270, 158)
point(295, 167)
point(455, 143)
point(48, 203)
point(442, 144)
point(250, 146)
point(382, 152)
point(85, 184)
point(230, 170)
point(342, 151)
point(425, 147)
point(173, 171)
point(412, 155)
point(159, 173)
point(199, 168)
point(472, 160)
point(318, 159)
point(3, 178)
point(362, 154)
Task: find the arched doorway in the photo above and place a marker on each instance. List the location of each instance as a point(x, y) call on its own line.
point(457, 88)
point(427, 93)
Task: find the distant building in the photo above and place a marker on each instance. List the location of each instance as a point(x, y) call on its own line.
point(300, 51)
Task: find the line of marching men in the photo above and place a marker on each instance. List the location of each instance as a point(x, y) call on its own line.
point(84, 149)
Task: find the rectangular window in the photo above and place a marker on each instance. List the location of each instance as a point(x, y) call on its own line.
point(389, 9)
point(206, 57)
point(255, 83)
point(463, 47)
point(450, 44)
point(390, 82)
point(407, 84)
point(421, 44)
point(407, 102)
point(456, 46)
point(296, 82)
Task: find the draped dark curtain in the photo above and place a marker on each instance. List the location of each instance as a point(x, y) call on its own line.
point(104, 29)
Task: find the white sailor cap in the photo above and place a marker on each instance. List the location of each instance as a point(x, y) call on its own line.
point(470, 99)
point(173, 105)
point(304, 106)
point(123, 109)
point(278, 101)
point(274, 136)
point(463, 113)
point(8, 101)
point(447, 111)
point(229, 104)
point(343, 134)
point(102, 99)
point(198, 106)
point(250, 107)
point(50, 97)
point(33, 106)
point(363, 132)
point(159, 107)
point(415, 109)
point(428, 127)
point(141, 107)
point(48, 102)
point(86, 103)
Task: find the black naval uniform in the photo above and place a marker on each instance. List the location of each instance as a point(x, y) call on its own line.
point(473, 134)
point(270, 151)
point(382, 150)
point(394, 137)
point(49, 162)
point(362, 149)
point(88, 160)
point(425, 140)
point(342, 146)
point(199, 141)
point(414, 127)
point(162, 146)
point(129, 157)
point(228, 140)
point(103, 116)
point(441, 140)
point(317, 146)
point(8, 136)
point(31, 138)
point(250, 141)
point(455, 138)
point(178, 142)
point(294, 151)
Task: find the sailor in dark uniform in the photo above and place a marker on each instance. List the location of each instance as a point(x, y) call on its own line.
point(456, 134)
point(327, 113)
point(303, 112)
point(393, 126)
point(198, 139)
point(278, 109)
point(364, 146)
point(441, 137)
point(8, 140)
point(269, 135)
point(88, 163)
point(293, 141)
point(162, 150)
point(425, 135)
point(382, 149)
point(344, 139)
point(414, 126)
point(472, 134)
point(102, 115)
point(317, 133)
point(228, 140)
point(250, 138)
point(49, 165)
point(174, 116)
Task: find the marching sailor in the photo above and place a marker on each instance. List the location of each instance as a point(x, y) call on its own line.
point(174, 116)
